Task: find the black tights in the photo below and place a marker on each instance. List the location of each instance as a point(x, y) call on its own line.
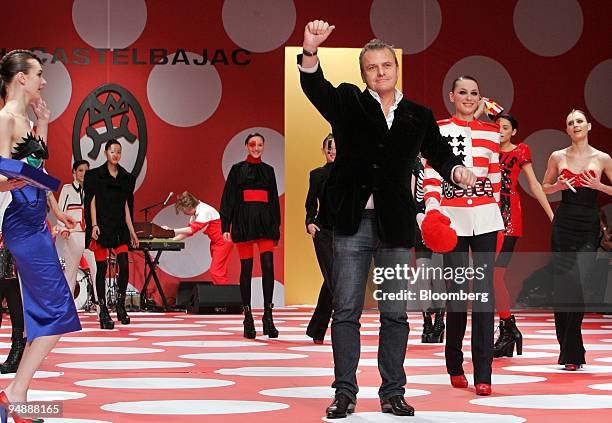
point(122, 278)
point(267, 280)
point(9, 289)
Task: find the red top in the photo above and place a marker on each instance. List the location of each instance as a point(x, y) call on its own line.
point(577, 182)
point(511, 163)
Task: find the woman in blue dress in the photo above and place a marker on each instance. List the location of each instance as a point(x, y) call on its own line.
point(49, 309)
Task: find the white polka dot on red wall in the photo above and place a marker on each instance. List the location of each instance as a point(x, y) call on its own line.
point(274, 153)
point(548, 27)
point(542, 143)
point(110, 23)
point(194, 259)
point(597, 93)
point(493, 79)
point(184, 94)
point(259, 26)
point(411, 25)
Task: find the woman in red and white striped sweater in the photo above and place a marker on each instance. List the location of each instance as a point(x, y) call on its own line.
point(475, 217)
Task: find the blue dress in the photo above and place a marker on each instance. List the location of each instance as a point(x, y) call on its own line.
point(47, 302)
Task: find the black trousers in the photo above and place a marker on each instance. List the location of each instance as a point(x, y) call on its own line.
point(323, 244)
point(483, 257)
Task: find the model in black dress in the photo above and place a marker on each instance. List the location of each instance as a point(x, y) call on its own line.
point(109, 205)
point(250, 214)
point(577, 169)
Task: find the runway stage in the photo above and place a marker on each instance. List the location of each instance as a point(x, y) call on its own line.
point(198, 368)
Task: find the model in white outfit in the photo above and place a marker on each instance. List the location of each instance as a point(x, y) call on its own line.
point(71, 202)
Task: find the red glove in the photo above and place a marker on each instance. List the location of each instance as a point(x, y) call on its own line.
point(437, 233)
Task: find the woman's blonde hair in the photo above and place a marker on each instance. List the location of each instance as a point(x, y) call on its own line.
point(185, 201)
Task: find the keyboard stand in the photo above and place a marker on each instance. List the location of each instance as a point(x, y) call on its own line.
point(151, 265)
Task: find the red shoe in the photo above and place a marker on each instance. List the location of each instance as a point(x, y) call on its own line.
point(5, 406)
point(483, 389)
point(459, 381)
point(572, 367)
point(317, 341)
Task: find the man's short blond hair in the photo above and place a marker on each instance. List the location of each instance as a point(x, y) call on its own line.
point(376, 44)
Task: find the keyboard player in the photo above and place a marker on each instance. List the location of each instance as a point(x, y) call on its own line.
point(206, 219)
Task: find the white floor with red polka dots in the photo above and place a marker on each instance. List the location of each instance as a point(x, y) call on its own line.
point(194, 368)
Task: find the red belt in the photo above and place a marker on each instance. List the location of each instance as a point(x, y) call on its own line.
point(251, 195)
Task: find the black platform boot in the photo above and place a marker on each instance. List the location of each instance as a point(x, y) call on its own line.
point(268, 323)
point(18, 344)
point(105, 320)
point(122, 315)
point(427, 328)
point(248, 323)
point(509, 336)
point(437, 334)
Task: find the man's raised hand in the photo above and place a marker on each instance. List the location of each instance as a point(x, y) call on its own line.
point(315, 33)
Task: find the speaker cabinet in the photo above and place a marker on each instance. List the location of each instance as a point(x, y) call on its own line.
point(185, 290)
point(215, 299)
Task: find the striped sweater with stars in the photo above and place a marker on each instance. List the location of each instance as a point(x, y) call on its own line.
point(472, 210)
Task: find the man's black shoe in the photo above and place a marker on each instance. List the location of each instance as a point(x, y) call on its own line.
point(396, 405)
point(341, 407)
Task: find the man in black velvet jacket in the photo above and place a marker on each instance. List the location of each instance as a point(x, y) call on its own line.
point(378, 135)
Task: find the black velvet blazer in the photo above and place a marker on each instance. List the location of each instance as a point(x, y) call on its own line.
point(372, 159)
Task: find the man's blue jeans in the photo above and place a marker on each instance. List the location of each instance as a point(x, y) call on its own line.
point(352, 258)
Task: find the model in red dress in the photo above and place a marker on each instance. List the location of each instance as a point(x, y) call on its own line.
point(513, 159)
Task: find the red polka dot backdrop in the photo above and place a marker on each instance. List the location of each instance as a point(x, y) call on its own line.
point(206, 73)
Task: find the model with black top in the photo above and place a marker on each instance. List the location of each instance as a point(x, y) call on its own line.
point(250, 214)
point(576, 171)
point(109, 205)
point(318, 225)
